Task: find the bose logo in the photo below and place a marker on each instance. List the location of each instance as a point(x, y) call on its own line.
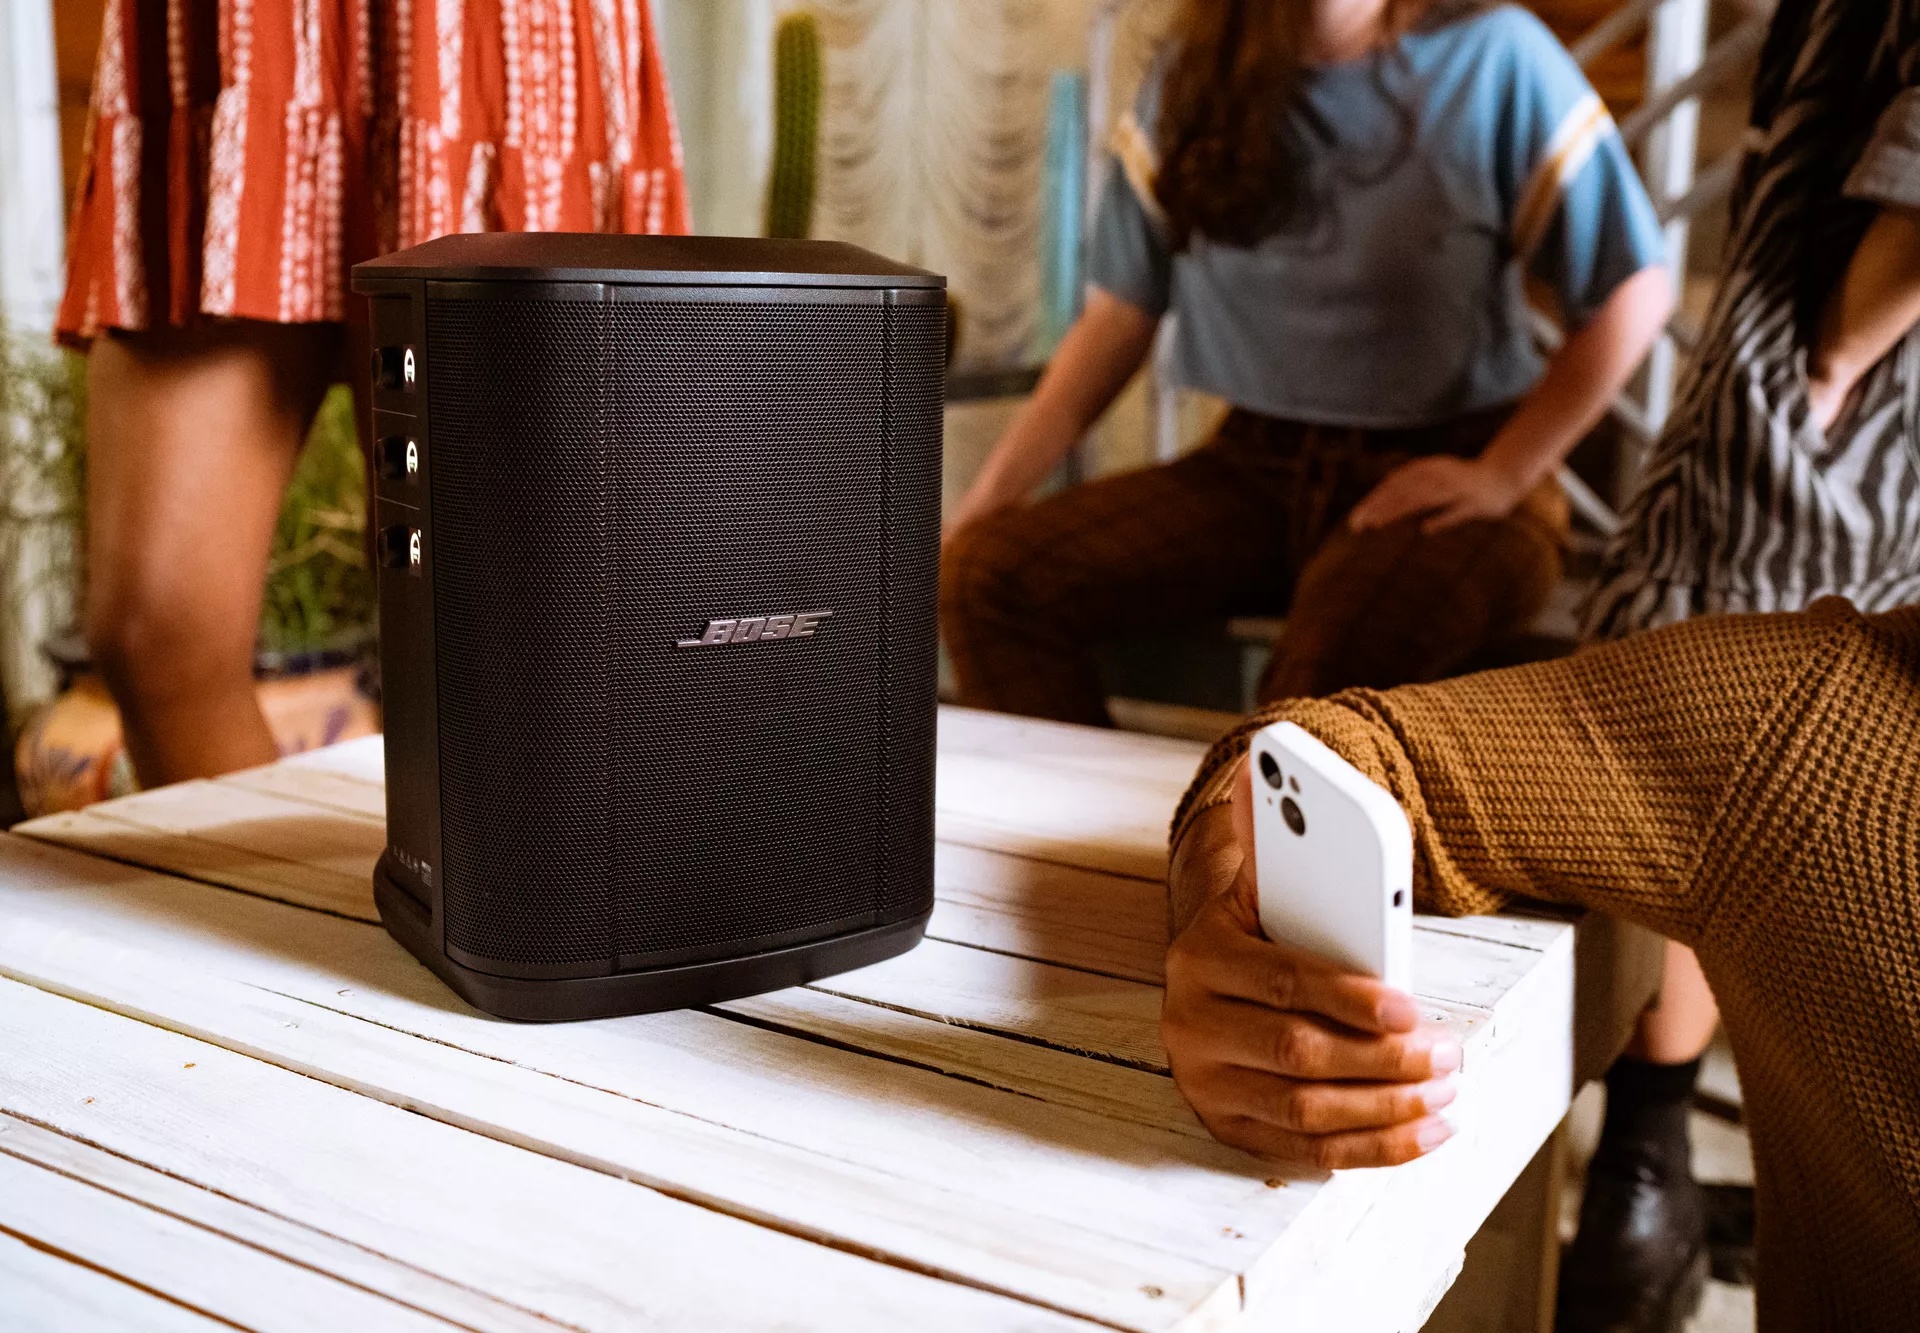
point(758, 629)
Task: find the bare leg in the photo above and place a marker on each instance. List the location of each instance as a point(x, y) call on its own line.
point(192, 435)
point(1678, 1026)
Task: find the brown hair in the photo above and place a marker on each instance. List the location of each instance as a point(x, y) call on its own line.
point(1229, 168)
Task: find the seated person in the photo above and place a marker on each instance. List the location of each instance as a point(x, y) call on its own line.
point(1341, 201)
point(1745, 785)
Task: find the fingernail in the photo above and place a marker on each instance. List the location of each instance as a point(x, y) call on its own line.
point(1446, 1056)
point(1398, 1012)
point(1438, 1093)
point(1433, 1134)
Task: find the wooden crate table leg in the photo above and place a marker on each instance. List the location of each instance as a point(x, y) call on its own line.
point(1512, 1265)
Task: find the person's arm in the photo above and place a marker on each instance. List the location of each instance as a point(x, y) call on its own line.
point(1877, 302)
point(1595, 780)
point(1099, 354)
point(1590, 368)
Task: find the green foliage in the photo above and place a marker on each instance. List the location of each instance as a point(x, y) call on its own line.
point(43, 463)
point(319, 593)
point(796, 136)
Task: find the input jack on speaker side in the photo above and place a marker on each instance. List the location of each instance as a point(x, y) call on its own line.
point(401, 547)
point(397, 457)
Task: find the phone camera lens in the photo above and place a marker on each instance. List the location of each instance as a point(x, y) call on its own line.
point(1290, 811)
point(1270, 770)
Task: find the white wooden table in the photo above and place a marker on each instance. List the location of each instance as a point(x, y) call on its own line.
point(226, 1095)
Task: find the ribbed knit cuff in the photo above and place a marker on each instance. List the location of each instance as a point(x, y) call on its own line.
point(1334, 721)
point(1212, 785)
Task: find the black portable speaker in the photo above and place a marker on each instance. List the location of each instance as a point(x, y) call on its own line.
point(658, 535)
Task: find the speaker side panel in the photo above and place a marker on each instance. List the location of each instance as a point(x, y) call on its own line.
point(747, 441)
point(916, 392)
point(406, 625)
point(518, 488)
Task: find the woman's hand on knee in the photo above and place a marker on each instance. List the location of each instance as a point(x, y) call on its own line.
point(1280, 1052)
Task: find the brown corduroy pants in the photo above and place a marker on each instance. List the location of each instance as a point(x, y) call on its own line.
point(1252, 523)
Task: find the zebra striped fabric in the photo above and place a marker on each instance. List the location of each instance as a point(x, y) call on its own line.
point(1744, 504)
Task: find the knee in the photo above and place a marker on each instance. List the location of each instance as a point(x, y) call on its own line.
point(149, 641)
point(982, 574)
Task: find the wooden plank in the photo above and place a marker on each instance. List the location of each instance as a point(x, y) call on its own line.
point(1053, 913)
point(46, 1293)
point(1098, 752)
point(263, 1231)
point(1180, 721)
point(691, 1064)
point(314, 786)
point(1458, 983)
point(1068, 1010)
point(1031, 1069)
point(1029, 904)
point(1532, 926)
point(192, 1267)
point(580, 1247)
point(364, 760)
point(291, 851)
point(1007, 805)
point(1041, 910)
point(1101, 922)
point(946, 1173)
point(1459, 969)
point(219, 942)
point(1521, 1236)
point(1491, 965)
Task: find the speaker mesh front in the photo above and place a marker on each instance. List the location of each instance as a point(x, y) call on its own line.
point(748, 454)
point(608, 478)
point(518, 553)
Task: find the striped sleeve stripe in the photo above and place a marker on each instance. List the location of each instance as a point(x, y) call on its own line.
point(1140, 163)
point(1581, 130)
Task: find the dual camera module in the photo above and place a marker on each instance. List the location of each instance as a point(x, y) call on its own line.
point(1289, 808)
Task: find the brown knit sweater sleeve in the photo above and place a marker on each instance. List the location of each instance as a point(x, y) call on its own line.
point(1750, 786)
point(1595, 779)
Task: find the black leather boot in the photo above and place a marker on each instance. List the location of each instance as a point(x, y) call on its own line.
point(1639, 1262)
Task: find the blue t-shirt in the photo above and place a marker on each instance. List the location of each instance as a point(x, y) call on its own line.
point(1440, 176)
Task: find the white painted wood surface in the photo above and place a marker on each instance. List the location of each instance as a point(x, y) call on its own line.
point(205, 1089)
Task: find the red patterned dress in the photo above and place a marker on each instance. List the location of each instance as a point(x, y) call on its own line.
point(243, 154)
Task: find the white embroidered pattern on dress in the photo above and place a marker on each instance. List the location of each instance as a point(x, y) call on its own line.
point(227, 166)
point(112, 110)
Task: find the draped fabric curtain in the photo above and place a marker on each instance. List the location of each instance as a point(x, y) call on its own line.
point(933, 140)
point(933, 130)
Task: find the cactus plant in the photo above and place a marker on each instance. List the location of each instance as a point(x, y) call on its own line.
point(796, 140)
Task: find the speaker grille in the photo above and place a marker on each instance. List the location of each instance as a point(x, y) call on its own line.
point(916, 384)
point(518, 552)
point(749, 448)
point(607, 478)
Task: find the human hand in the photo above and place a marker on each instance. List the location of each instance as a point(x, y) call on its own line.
point(1278, 1051)
point(1448, 490)
point(979, 501)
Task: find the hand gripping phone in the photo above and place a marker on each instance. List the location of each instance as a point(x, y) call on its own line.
point(1333, 857)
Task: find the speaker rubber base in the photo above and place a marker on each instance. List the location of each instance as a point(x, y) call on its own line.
point(645, 992)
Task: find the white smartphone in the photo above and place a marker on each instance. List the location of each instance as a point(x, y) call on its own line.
point(1333, 857)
